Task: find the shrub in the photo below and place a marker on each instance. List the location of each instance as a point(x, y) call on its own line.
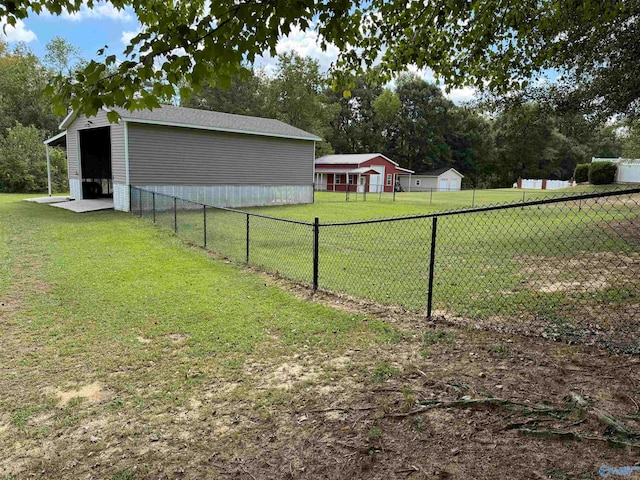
point(581, 173)
point(23, 162)
point(602, 173)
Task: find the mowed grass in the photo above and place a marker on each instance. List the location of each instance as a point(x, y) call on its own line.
point(86, 295)
point(128, 354)
point(333, 206)
point(539, 261)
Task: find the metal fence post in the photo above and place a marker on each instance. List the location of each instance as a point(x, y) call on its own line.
point(473, 199)
point(153, 205)
point(432, 261)
point(175, 215)
point(430, 195)
point(140, 200)
point(523, 194)
point(247, 254)
point(204, 226)
point(394, 193)
point(316, 249)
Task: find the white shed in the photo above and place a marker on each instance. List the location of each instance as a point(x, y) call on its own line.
point(445, 179)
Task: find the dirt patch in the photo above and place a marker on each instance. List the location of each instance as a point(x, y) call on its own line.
point(92, 393)
point(628, 229)
point(143, 340)
point(360, 427)
point(573, 286)
point(179, 337)
point(589, 272)
point(289, 374)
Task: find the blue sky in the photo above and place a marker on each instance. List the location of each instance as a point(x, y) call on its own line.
point(92, 29)
point(89, 30)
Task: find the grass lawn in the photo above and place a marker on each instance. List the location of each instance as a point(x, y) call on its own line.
point(333, 207)
point(95, 295)
point(556, 265)
point(128, 354)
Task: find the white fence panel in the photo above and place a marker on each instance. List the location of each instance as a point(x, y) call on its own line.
point(629, 172)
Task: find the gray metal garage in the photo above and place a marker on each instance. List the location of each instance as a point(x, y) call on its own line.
point(200, 155)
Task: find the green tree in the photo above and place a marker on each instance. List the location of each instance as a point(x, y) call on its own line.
point(472, 144)
point(605, 142)
point(631, 141)
point(502, 46)
point(417, 136)
point(23, 163)
point(535, 142)
point(295, 96)
point(22, 83)
point(356, 128)
point(62, 57)
point(494, 44)
point(244, 96)
point(386, 107)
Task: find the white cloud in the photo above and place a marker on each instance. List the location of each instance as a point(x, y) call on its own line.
point(127, 36)
point(17, 33)
point(305, 43)
point(456, 95)
point(461, 95)
point(99, 10)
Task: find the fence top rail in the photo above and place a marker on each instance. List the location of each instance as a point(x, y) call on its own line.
point(227, 209)
point(488, 208)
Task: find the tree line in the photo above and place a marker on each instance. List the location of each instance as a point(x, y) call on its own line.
point(26, 117)
point(409, 120)
point(412, 122)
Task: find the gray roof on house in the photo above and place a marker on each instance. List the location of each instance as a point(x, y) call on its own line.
point(437, 172)
point(209, 120)
point(349, 159)
point(354, 159)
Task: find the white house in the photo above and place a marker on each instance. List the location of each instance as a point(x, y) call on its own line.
point(445, 179)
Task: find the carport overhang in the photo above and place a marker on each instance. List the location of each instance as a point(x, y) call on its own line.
point(59, 140)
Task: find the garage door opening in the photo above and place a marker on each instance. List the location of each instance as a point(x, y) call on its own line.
point(95, 161)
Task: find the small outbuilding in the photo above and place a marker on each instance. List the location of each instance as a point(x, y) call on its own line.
point(362, 172)
point(200, 155)
point(445, 179)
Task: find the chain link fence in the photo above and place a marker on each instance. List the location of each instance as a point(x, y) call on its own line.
point(459, 198)
point(565, 268)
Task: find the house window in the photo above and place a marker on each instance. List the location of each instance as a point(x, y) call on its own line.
point(389, 179)
point(337, 179)
point(351, 179)
point(417, 183)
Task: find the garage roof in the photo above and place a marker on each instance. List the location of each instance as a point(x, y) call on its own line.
point(354, 159)
point(438, 171)
point(169, 115)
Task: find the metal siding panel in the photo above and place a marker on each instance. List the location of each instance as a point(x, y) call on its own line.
point(237, 195)
point(118, 171)
point(117, 144)
point(75, 189)
point(72, 153)
point(181, 156)
point(121, 197)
